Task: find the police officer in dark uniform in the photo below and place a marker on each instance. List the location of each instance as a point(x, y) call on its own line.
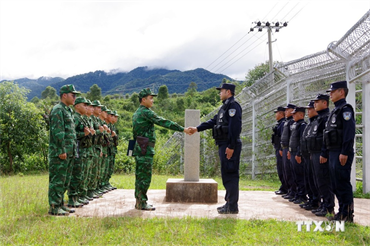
point(296, 155)
point(339, 139)
point(285, 136)
point(319, 156)
point(226, 126)
point(275, 139)
point(310, 185)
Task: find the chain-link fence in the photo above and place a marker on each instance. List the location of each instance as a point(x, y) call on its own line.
point(298, 82)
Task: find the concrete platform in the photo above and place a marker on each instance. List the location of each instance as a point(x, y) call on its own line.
point(201, 191)
point(252, 205)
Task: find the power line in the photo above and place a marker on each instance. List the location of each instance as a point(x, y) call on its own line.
point(227, 50)
point(231, 53)
point(290, 11)
point(242, 56)
point(235, 56)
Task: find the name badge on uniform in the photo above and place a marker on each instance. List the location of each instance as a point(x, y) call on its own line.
point(315, 128)
point(347, 115)
point(232, 112)
point(333, 119)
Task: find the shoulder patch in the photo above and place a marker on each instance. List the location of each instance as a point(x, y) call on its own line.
point(232, 112)
point(347, 115)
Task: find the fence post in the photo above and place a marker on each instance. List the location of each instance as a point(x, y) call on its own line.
point(365, 134)
point(351, 99)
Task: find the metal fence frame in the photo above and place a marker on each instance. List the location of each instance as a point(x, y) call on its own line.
point(299, 81)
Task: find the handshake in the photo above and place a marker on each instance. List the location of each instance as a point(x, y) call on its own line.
point(190, 130)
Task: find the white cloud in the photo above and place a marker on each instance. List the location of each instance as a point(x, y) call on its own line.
point(56, 38)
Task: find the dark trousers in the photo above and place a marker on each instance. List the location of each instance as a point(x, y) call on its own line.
point(298, 172)
point(230, 175)
point(341, 181)
point(312, 192)
point(323, 181)
point(288, 173)
point(280, 171)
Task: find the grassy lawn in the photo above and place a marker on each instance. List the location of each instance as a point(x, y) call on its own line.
point(24, 221)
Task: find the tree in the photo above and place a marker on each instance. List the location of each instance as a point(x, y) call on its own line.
point(94, 93)
point(49, 92)
point(21, 125)
point(163, 92)
point(192, 90)
point(258, 72)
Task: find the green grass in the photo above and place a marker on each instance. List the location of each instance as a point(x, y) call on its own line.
point(24, 221)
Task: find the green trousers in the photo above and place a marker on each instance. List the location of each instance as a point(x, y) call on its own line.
point(143, 175)
point(60, 172)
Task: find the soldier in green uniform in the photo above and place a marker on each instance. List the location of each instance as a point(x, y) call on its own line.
point(105, 148)
point(62, 150)
point(112, 148)
point(143, 131)
point(75, 191)
point(97, 150)
point(87, 192)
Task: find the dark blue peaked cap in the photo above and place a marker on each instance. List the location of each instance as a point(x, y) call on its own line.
point(310, 104)
point(322, 97)
point(230, 87)
point(337, 85)
point(279, 109)
point(290, 106)
point(299, 109)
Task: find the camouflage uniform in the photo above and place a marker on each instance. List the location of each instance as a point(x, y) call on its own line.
point(97, 148)
point(89, 160)
point(143, 125)
point(112, 152)
point(62, 140)
point(76, 187)
point(105, 142)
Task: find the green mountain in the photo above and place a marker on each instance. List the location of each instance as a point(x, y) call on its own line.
point(129, 82)
point(36, 86)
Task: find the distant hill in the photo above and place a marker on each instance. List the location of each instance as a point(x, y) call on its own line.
point(129, 82)
point(36, 86)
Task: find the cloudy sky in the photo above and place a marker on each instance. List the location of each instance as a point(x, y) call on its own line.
point(66, 38)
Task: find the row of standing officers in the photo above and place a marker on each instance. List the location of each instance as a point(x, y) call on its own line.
point(82, 149)
point(314, 159)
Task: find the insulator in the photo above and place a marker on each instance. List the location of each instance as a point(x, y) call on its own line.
point(267, 23)
point(259, 23)
point(277, 24)
point(251, 29)
point(285, 24)
point(260, 29)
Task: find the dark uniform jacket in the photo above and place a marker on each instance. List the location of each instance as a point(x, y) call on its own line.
point(227, 124)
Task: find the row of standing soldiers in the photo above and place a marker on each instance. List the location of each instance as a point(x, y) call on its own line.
point(82, 150)
point(314, 159)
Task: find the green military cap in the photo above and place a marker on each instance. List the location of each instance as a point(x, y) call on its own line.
point(112, 112)
point(104, 108)
point(115, 113)
point(68, 89)
point(88, 102)
point(96, 103)
point(146, 92)
point(80, 100)
point(108, 111)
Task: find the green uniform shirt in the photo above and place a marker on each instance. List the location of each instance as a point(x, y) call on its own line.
point(143, 122)
point(62, 131)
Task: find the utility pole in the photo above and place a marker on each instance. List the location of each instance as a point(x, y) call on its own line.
point(269, 26)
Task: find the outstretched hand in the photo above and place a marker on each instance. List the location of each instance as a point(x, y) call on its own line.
point(192, 130)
